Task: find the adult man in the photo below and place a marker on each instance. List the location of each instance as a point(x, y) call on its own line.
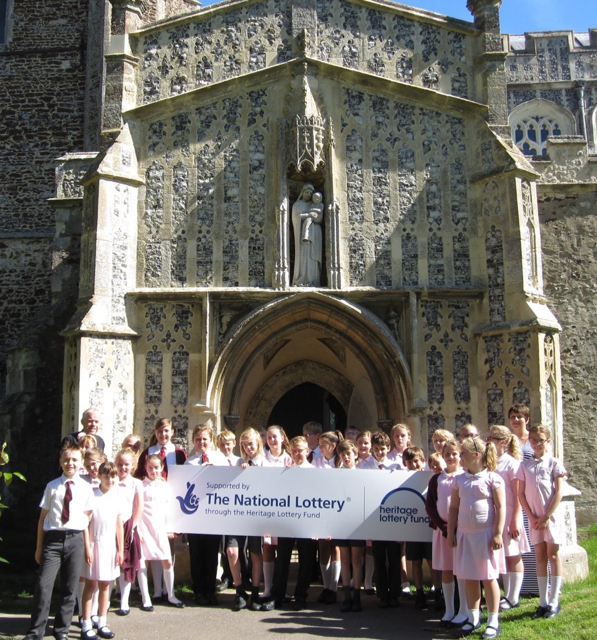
point(91, 422)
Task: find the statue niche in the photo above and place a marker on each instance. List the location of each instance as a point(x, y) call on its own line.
point(307, 219)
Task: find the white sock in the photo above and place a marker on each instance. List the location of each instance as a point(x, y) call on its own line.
point(268, 577)
point(554, 596)
point(462, 614)
point(473, 616)
point(125, 591)
point(101, 623)
point(448, 589)
point(506, 583)
point(85, 625)
point(516, 579)
point(335, 575)
point(369, 569)
point(543, 582)
point(156, 572)
point(169, 581)
point(325, 574)
point(493, 619)
point(143, 586)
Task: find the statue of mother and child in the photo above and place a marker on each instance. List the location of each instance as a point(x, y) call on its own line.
point(307, 216)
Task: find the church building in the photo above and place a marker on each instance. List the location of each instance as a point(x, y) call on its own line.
point(274, 211)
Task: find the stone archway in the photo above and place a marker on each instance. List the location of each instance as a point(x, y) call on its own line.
point(332, 337)
point(297, 373)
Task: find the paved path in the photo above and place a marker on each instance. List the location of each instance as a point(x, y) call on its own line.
point(220, 623)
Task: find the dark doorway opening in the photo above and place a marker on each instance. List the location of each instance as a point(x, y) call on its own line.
point(305, 402)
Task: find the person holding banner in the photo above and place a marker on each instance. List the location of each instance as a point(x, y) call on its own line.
point(203, 548)
point(277, 455)
point(386, 553)
point(329, 557)
point(351, 551)
point(251, 448)
point(299, 450)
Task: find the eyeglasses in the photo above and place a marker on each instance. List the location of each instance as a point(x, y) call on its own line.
point(493, 439)
point(533, 441)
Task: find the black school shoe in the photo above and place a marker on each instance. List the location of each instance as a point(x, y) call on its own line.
point(539, 613)
point(550, 611)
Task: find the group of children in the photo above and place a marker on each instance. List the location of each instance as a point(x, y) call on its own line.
point(108, 522)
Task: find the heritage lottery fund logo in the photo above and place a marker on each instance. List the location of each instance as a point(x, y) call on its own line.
point(403, 506)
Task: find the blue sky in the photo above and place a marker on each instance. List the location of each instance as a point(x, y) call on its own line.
point(519, 16)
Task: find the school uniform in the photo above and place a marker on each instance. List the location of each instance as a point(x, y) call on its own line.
point(170, 455)
point(307, 550)
point(386, 553)
point(474, 558)
point(539, 475)
point(204, 547)
point(63, 550)
point(509, 469)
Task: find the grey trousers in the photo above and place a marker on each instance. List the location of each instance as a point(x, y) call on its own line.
point(63, 551)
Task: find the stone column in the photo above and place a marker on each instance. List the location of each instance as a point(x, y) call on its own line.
point(121, 88)
point(490, 64)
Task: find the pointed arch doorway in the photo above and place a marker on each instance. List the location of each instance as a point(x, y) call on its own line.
point(315, 339)
point(305, 402)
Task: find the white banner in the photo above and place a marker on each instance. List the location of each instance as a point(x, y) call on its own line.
point(341, 504)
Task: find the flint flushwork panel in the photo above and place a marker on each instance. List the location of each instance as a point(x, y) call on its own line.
point(170, 335)
point(215, 48)
point(205, 196)
point(407, 194)
point(394, 46)
point(445, 327)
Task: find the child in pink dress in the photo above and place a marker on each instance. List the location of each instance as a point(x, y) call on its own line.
point(437, 506)
point(104, 552)
point(478, 510)
point(515, 538)
point(540, 493)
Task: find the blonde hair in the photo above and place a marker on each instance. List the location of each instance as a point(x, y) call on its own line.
point(298, 440)
point(364, 434)
point(486, 450)
point(512, 444)
point(128, 452)
point(247, 435)
point(226, 435)
point(444, 434)
point(400, 425)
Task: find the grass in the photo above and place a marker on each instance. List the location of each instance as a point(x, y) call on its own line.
point(579, 606)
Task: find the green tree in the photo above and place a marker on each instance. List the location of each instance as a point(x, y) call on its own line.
point(6, 477)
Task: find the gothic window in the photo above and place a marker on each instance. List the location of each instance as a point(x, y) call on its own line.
point(534, 121)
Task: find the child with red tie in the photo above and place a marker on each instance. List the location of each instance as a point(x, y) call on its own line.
point(66, 508)
point(203, 548)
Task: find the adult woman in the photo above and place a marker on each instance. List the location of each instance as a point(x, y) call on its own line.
point(307, 244)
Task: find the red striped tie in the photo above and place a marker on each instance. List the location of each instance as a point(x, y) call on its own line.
point(68, 496)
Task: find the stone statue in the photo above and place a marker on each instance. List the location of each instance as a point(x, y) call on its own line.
point(307, 216)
